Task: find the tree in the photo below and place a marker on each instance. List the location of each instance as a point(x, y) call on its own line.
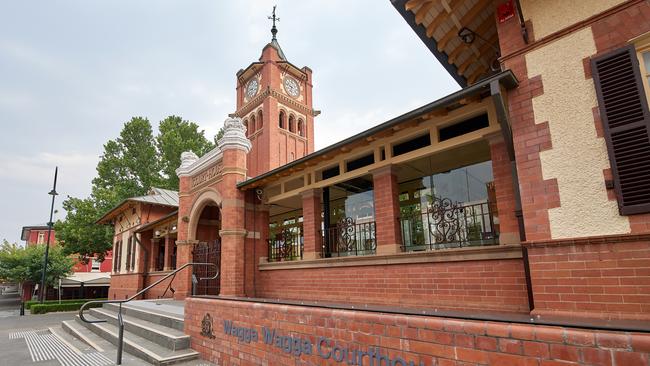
point(219, 135)
point(129, 166)
point(79, 234)
point(19, 264)
point(176, 136)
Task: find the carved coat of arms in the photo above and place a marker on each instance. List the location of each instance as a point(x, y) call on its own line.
point(206, 326)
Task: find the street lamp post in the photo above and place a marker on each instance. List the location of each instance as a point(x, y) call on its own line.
point(41, 291)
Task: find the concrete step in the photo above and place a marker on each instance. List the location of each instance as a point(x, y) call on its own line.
point(171, 338)
point(139, 346)
point(149, 314)
point(75, 333)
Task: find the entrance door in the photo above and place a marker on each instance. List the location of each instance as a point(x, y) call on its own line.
point(207, 252)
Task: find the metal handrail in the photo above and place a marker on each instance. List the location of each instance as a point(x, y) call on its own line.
point(120, 302)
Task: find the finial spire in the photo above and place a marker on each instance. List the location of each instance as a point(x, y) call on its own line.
point(274, 30)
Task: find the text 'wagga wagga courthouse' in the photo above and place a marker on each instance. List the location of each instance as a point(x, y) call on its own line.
point(324, 348)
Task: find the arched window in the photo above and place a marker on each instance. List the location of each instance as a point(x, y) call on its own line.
point(292, 123)
point(260, 120)
point(282, 120)
point(252, 124)
point(246, 125)
point(301, 127)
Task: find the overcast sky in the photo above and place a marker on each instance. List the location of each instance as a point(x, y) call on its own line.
point(72, 72)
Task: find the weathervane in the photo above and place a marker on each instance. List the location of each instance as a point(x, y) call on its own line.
point(274, 30)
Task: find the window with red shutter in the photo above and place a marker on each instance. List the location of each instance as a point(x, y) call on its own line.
point(626, 122)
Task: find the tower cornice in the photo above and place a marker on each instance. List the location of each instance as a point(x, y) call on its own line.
point(288, 101)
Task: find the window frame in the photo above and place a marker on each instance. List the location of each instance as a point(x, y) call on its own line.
point(642, 45)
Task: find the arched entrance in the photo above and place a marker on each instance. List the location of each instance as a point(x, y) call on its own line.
point(208, 249)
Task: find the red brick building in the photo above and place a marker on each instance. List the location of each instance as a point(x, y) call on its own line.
point(95, 285)
point(507, 223)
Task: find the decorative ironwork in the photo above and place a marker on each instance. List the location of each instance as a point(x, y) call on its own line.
point(345, 230)
point(350, 238)
point(447, 224)
point(207, 252)
point(286, 244)
point(445, 220)
point(206, 326)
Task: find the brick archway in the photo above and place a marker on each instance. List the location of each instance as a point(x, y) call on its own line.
point(200, 202)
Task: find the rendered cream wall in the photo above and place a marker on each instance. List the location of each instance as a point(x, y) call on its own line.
point(578, 156)
point(549, 16)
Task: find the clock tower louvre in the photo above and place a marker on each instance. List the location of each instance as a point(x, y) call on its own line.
point(274, 100)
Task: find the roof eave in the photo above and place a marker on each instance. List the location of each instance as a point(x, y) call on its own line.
point(505, 78)
point(431, 43)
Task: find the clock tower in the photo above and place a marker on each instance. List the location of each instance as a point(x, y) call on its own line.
point(274, 100)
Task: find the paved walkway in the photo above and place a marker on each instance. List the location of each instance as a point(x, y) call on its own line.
point(9, 305)
point(39, 340)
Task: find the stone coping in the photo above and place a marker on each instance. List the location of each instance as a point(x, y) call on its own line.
point(604, 239)
point(491, 252)
point(493, 316)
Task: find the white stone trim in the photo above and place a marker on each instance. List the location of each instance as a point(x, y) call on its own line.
point(234, 136)
point(191, 164)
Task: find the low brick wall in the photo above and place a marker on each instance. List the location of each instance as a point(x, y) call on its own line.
point(124, 285)
point(606, 277)
point(497, 285)
point(158, 291)
point(320, 336)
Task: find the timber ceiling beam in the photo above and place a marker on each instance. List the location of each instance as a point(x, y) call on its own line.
point(412, 4)
point(423, 11)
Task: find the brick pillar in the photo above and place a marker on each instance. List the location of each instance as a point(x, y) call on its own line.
point(311, 223)
point(386, 192)
point(168, 254)
point(235, 146)
point(504, 188)
point(183, 281)
point(154, 255)
point(257, 227)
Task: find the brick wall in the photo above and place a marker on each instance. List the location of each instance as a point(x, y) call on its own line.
point(407, 340)
point(125, 285)
point(601, 278)
point(487, 285)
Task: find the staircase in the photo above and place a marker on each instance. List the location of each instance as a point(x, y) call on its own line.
point(153, 331)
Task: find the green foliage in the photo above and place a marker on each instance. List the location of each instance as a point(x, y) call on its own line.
point(79, 234)
point(130, 166)
point(49, 307)
point(176, 136)
point(29, 303)
point(18, 264)
point(219, 135)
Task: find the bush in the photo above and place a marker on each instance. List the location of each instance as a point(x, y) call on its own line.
point(49, 308)
point(29, 303)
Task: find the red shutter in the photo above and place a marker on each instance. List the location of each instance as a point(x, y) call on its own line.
point(626, 121)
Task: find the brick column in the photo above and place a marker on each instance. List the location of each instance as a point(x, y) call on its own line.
point(183, 281)
point(235, 147)
point(167, 265)
point(154, 255)
point(504, 189)
point(386, 192)
point(311, 223)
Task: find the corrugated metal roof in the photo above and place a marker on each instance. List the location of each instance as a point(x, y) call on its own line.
point(159, 196)
point(156, 196)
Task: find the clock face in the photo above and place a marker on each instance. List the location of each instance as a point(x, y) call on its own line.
point(251, 88)
point(291, 86)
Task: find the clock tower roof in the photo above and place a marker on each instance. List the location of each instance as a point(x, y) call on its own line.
point(274, 43)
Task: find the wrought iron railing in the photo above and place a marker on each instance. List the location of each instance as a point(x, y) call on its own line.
point(120, 321)
point(287, 245)
point(349, 238)
point(445, 224)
